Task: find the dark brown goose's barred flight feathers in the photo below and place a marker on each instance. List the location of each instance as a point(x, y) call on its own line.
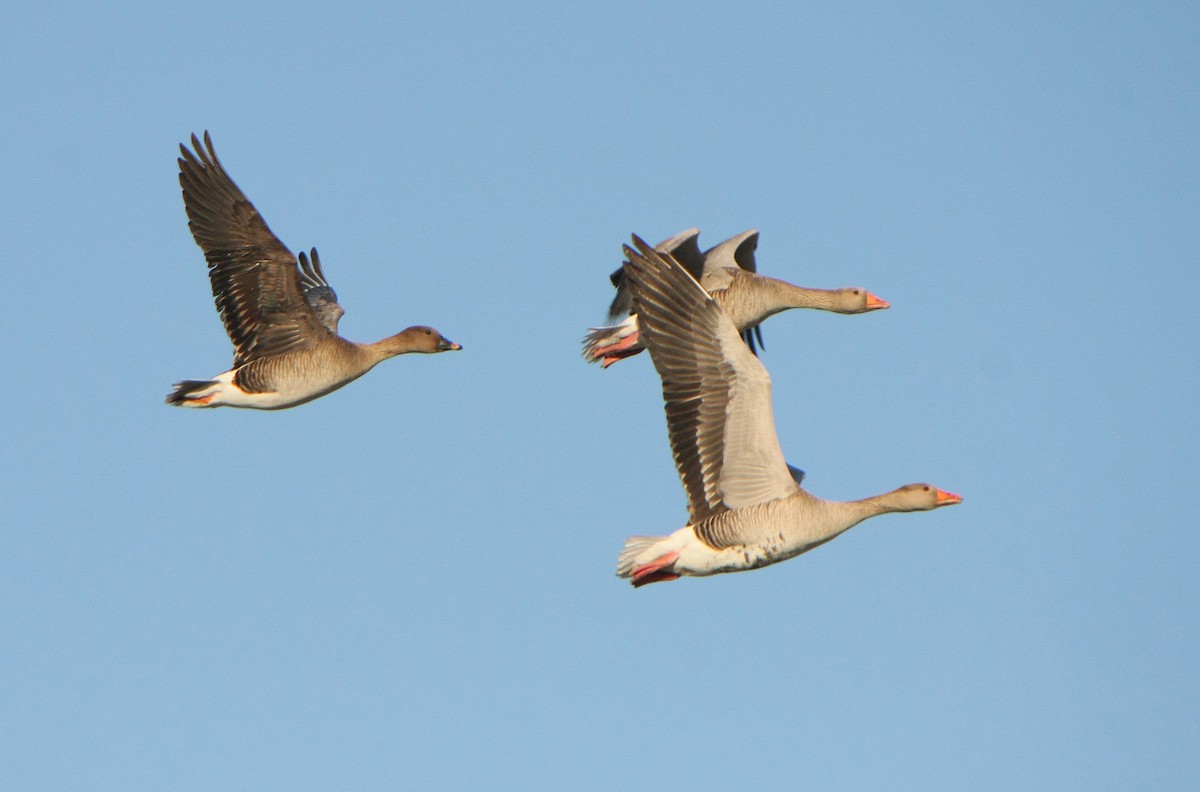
point(254, 277)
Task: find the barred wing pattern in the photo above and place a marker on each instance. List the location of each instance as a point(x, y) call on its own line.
point(254, 277)
point(717, 394)
point(684, 247)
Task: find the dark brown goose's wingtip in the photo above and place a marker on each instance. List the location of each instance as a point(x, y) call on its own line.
point(201, 156)
point(195, 155)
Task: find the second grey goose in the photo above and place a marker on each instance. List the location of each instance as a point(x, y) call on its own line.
point(727, 271)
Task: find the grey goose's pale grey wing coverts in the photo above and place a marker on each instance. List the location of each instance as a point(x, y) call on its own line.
point(684, 247)
point(716, 392)
point(737, 251)
point(254, 277)
point(320, 295)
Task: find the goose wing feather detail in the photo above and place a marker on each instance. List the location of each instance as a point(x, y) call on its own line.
point(737, 252)
point(254, 277)
point(684, 247)
point(717, 393)
point(320, 295)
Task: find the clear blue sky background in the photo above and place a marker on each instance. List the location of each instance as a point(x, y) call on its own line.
point(409, 583)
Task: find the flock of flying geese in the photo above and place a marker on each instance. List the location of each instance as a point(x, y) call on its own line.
point(696, 312)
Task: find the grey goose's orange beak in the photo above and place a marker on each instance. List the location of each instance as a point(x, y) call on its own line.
point(947, 498)
point(875, 303)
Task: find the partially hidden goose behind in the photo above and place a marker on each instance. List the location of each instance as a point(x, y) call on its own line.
point(282, 319)
point(728, 272)
point(746, 507)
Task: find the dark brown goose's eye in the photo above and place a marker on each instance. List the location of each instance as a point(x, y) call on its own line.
point(927, 488)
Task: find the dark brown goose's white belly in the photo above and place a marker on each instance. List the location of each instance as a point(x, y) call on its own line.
point(286, 380)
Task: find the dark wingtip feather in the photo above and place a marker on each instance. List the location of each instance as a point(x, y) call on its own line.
point(753, 338)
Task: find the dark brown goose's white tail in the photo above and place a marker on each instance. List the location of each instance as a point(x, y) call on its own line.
point(192, 393)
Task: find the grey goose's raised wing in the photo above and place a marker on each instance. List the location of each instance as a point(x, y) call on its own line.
point(737, 251)
point(684, 247)
point(716, 392)
point(320, 295)
point(254, 277)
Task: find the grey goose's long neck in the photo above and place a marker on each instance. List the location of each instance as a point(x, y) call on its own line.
point(750, 299)
point(815, 520)
point(787, 525)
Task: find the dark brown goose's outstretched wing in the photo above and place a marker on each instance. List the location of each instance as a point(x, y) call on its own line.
point(254, 277)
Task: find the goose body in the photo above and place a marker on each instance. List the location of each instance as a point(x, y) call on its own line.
point(746, 506)
point(278, 309)
point(727, 272)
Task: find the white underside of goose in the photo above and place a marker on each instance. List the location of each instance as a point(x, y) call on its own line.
point(651, 559)
point(647, 559)
point(606, 344)
point(222, 392)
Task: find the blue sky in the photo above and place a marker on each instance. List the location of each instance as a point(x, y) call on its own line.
point(409, 583)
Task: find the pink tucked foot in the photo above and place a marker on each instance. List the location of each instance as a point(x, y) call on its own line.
point(621, 349)
point(653, 572)
point(655, 577)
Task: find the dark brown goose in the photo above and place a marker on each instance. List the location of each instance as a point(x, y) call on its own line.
point(282, 318)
